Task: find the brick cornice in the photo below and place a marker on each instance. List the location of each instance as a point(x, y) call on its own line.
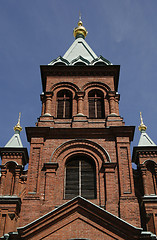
point(12, 151)
point(143, 151)
point(80, 133)
point(108, 70)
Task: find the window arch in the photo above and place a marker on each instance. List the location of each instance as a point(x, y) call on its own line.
point(96, 104)
point(64, 104)
point(80, 177)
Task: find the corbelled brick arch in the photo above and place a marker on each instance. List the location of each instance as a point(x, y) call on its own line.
point(92, 147)
point(69, 85)
point(100, 85)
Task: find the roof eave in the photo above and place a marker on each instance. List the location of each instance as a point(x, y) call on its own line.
point(106, 70)
point(16, 150)
point(140, 149)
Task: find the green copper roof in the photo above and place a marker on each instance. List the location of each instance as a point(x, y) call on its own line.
point(15, 141)
point(80, 53)
point(145, 140)
point(80, 48)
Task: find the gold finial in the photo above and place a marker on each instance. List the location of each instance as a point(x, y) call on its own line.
point(80, 30)
point(18, 127)
point(142, 127)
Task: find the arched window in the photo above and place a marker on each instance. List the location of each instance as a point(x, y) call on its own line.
point(96, 104)
point(80, 177)
point(151, 178)
point(64, 104)
point(10, 179)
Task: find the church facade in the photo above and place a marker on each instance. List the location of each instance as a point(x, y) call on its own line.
point(80, 183)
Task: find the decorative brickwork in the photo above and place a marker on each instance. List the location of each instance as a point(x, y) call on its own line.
point(146, 185)
point(79, 183)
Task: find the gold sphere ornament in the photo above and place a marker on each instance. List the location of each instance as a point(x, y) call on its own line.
point(80, 31)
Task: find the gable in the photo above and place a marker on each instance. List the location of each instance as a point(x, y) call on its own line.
point(77, 219)
point(80, 227)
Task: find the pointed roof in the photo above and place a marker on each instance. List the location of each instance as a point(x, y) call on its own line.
point(15, 141)
point(145, 140)
point(80, 48)
point(80, 52)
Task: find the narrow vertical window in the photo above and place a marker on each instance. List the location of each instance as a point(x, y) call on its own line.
point(64, 104)
point(80, 178)
point(96, 104)
point(9, 180)
point(151, 178)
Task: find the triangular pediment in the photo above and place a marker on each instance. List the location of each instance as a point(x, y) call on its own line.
point(83, 218)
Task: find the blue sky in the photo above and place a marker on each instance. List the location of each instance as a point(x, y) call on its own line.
point(35, 32)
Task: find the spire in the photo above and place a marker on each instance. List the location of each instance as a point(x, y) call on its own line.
point(80, 31)
point(145, 140)
point(15, 141)
point(79, 16)
point(142, 127)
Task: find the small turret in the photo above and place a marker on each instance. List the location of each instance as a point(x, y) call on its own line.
point(14, 157)
point(145, 157)
point(145, 140)
point(15, 141)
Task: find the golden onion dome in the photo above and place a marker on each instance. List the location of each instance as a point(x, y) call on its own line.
point(18, 127)
point(80, 31)
point(142, 127)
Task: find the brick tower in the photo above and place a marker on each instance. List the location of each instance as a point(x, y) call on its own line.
point(145, 156)
point(13, 179)
point(79, 183)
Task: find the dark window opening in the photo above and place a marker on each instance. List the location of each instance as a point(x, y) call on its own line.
point(96, 104)
point(64, 104)
point(80, 178)
point(151, 178)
